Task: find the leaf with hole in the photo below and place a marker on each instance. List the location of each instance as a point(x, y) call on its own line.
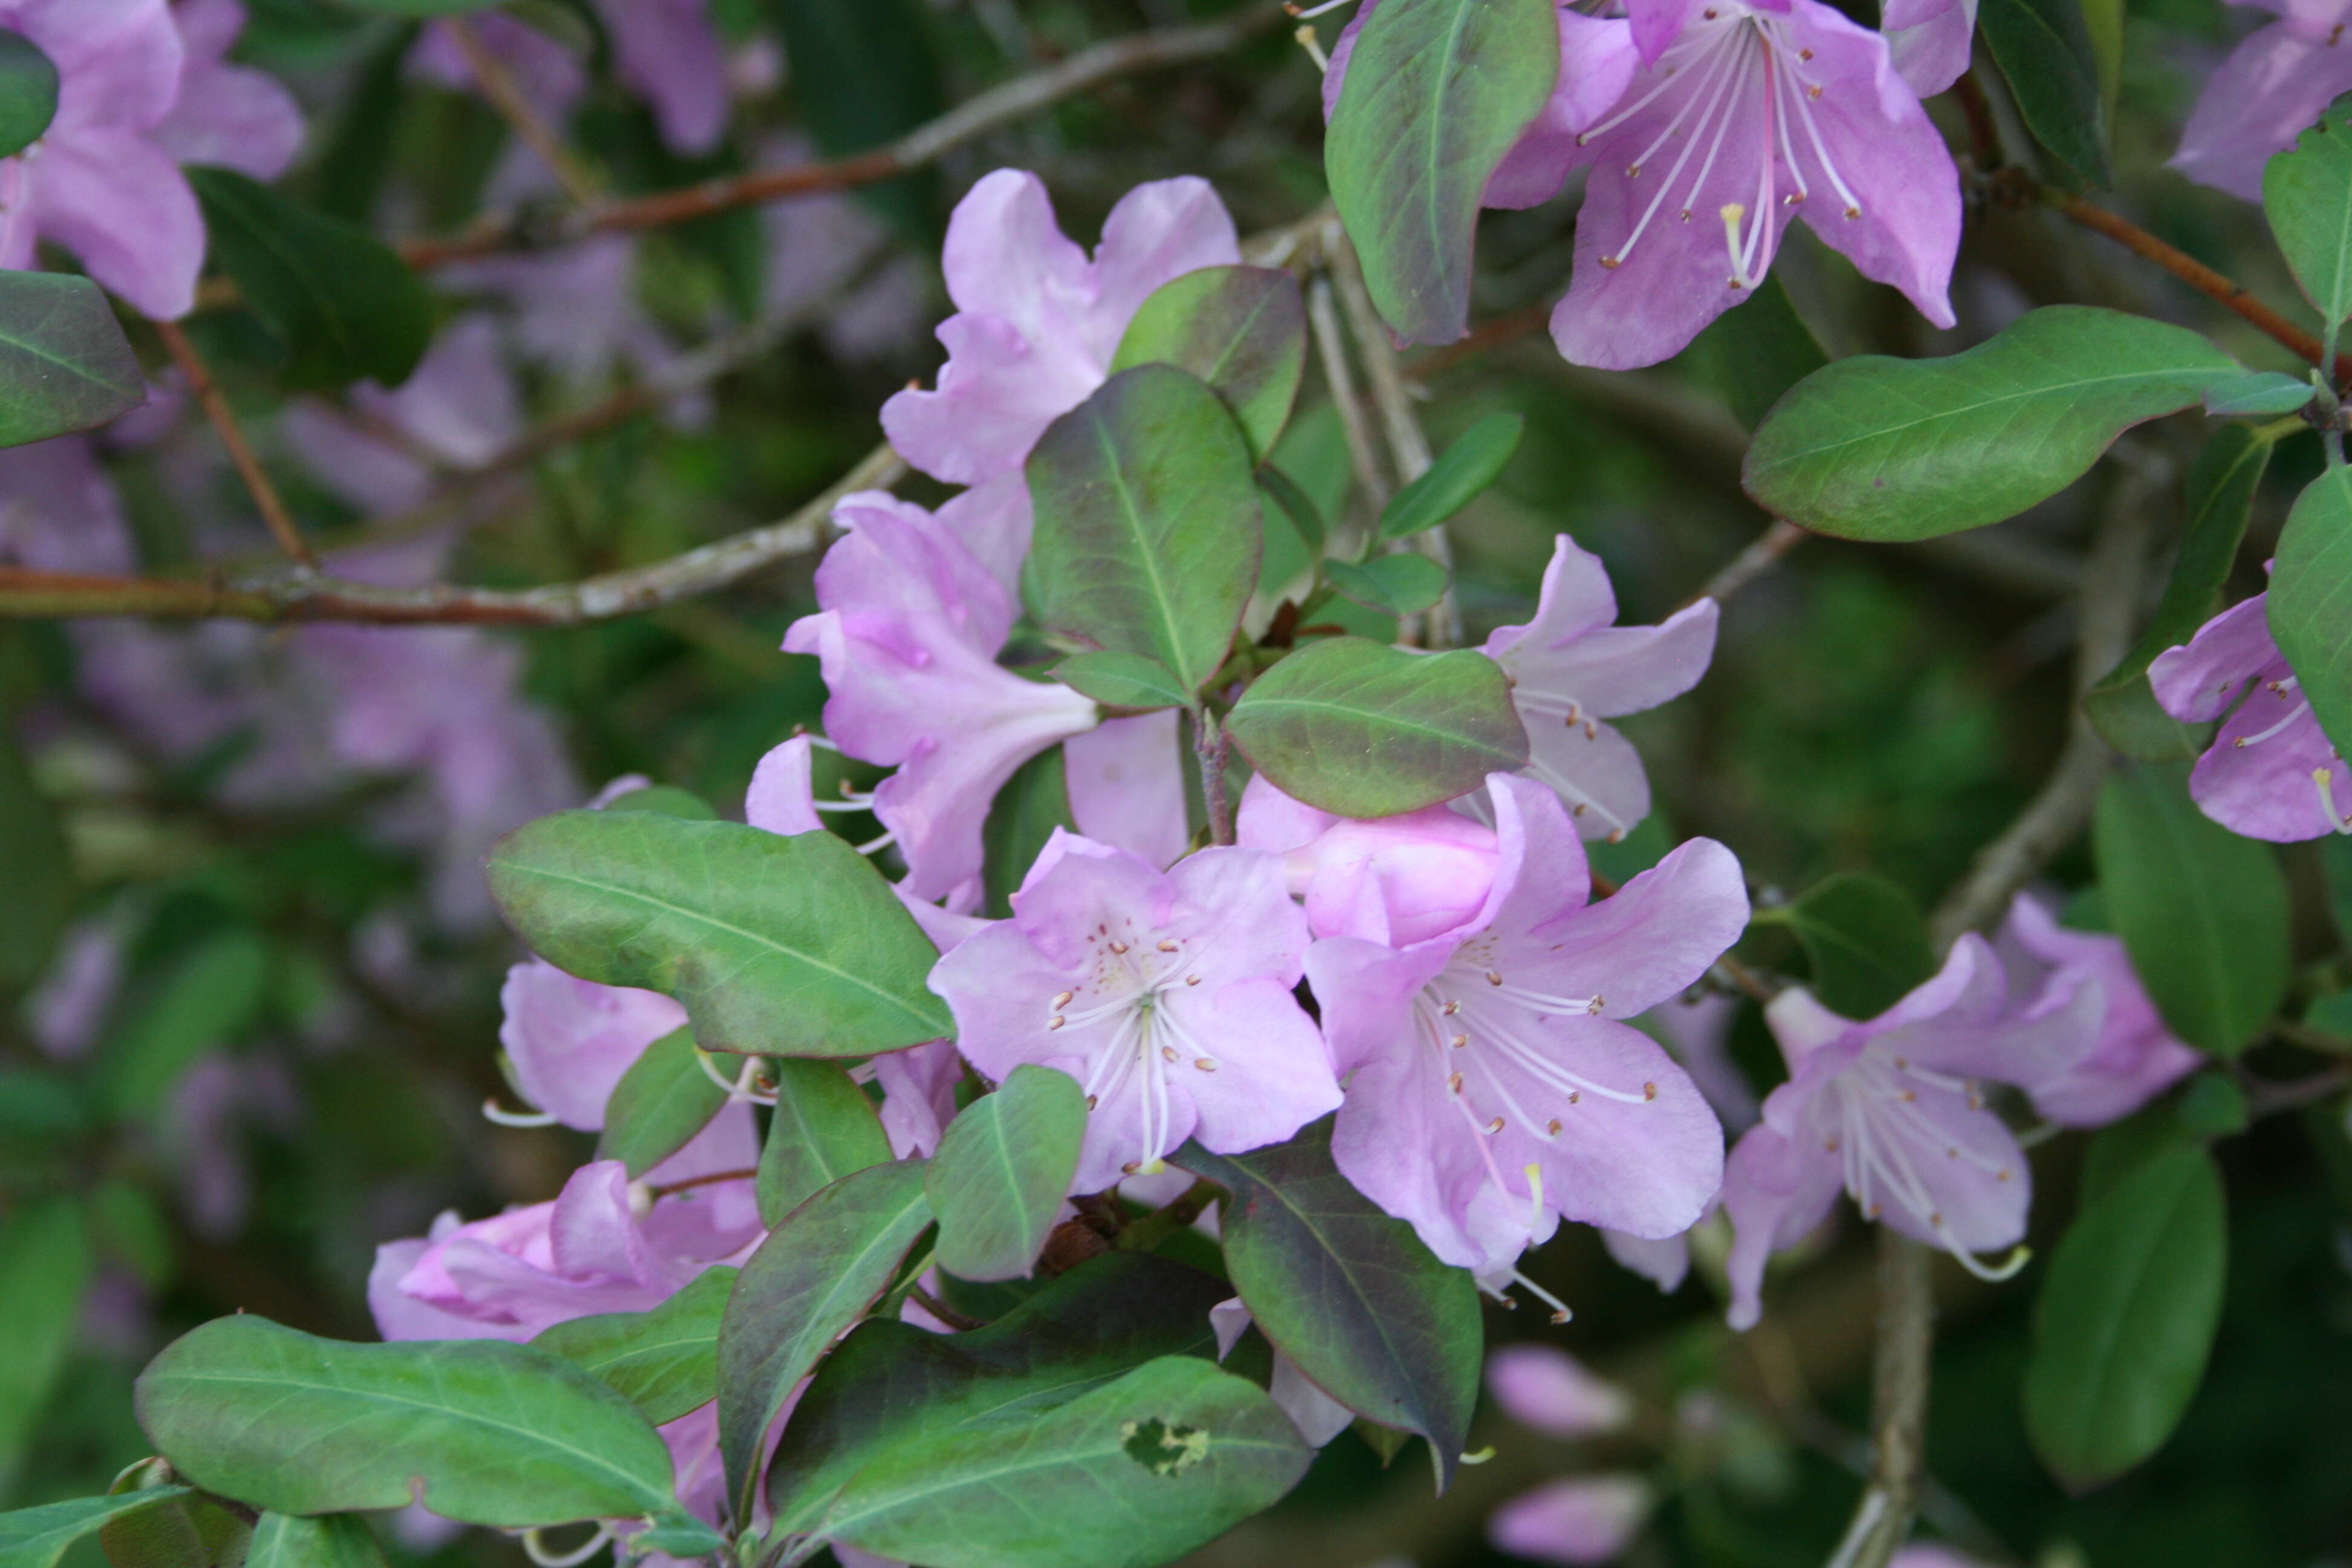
point(1002, 1168)
point(1474, 460)
point(1241, 329)
point(663, 1361)
point(65, 365)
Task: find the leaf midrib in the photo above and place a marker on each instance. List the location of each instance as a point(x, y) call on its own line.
point(1880, 432)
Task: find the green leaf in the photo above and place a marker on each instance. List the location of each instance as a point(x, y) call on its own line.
point(36, 880)
point(817, 1272)
point(1865, 940)
point(1892, 449)
point(2221, 498)
point(478, 1430)
point(1400, 584)
point(2126, 1319)
point(1295, 505)
point(2044, 49)
point(1347, 1293)
point(29, 93)
point(666, 799)
point(1756, 352)
point(1350, 726)
point(1122, 681)
point(1437, 92)
point(1147, 534)
point(209, 997)
point(1032, 803)
point(821, 1129)
point(1002, 1168)
point(665, 1360)
point(1461, 474)
point(2307, 197)
point(332, 1541)
point(195, 1531)
point(889, 1382)
point(777, 946)
point(65, 365)
point(2310, 605)
point(38, 1537)
point(2202, 912)
point(345, 306)
point(45, 1267)
point(865, 73)
point(1243, 330)
point(660, 1103)
point(1136, 1473)
point(2268, 392)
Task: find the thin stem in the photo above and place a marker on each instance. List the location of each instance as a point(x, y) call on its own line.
point(232, 435)
point(1213, 748)
point(2268, 1097)
point(713, 1179)
point(1898, 1405)
point(1984, 131)
point(1759, 556)
point(1331, 351)
point(941, 1310)
point(1161, 1223)
point(498, 85)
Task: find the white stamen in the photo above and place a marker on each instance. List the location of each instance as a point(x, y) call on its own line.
point(2325, 780)
point(495, 1112)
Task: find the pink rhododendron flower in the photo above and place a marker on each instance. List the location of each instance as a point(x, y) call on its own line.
point(2136, 1057)
point(1491, 1096)
point(2271, 773)
point(229, 115)
point(2273, 88)
point(908, 635)
point(1573, 666)
point(1546, 1389)
point(1583, 1520)
point(1317, 1415)
point(1394, 880)
point(1166, 995)
point(1892, 1110)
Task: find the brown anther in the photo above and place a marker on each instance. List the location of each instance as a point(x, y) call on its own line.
point(2001, 1175)
point(1168, 1053)
point(1063, 999)
point(1453, 1083)
point(1552, 1127)
point(1591, 732)
point(1608, 263)
point(1055, 1023)
point(1649, 1091)
point(1594, 1007)
point(1575, 1095)
point(1091, 1102)
point(1829, 1145)
point(1804, 54)
point(1814, 92)
point(1685, 216)
point(1167, 947)
point(1458, 1041)
point(1495, 1126)
point(1906, 1097)
point(1119, 948)
point(1494, 977)
point(1937, 1220)
point(1451, 1008)
point(1132, 1166)
point(1192, 980)
point(1871, 1213)
point(1205, 1064)
point(1559, 1317)
point(1632, 171)
point(1579, 810)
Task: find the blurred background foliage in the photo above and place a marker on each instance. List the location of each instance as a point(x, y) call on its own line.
point(293, 1046)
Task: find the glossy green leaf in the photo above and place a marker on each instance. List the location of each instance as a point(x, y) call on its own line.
point(817, 1272)
point(777, 946)
point(2219, 499)
point(1756, 352)
point(660, 1103)
point(2202, 912)
point(478, 1430)
point(209, 996)
point(2310, 604)
point(1404, 584)
point(29, 93)
point(664, 1360)
point(37, 882)
point(2126, 1319)
point(1002, 1168)
point(331, 1541)
point(1892, 449)
point(1866, 939)
point(1136, 1473)
point(2267, 392)
point(38, 1537)
point(1241, 329)
point(2045, 49)
point(344, 305)
point(1347, 1292)
point(45, 1267)
point(1148, 534)
point(1475, 459)
point(1356, 728)
point(1437, 92)
point(65, 365)
point(1122, 681)
point(822, 1128)
point(2307, 197)
point(889, 1382)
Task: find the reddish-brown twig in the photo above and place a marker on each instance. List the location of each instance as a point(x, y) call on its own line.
point(232, 435)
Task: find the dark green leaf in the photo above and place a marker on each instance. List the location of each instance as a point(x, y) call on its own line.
point(1461, 474)
point(477, 1430)
point(2202, 912)
point(777, 946)
point(1032, 803)
point(1002, 1171)
point(335, 1541)
point(1295, 504)
point(1892, 449)
point(821, 1129)
point(2221, 498)
point(29, 93)
point(2044, 49)
point(37, 1537)
point(45, 1266)
point(863, 73)
point(2307, 197)
point(1437, 92)
point(65, 365)
point(2126, 1319)
point(345, 306)
point(1756, 352)
point(1864, 939)
point(1347, 1293)
point(1122, 681)
point(1243, 330)
point(2310, 608)
point(211, 995)
point(889, 1382)
point(660, 1103)
point(35, 867)
point(665, 1360)
point(1147, 534)
point(1136, 1473)
point(1400, 584)
point(1353, 726)
point(816, 1273)
point(2258, 392)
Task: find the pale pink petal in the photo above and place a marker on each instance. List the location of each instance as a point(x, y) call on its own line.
point(118, 61)
point(1587, 1520)
point(1545, 1388)
point(126, 212)
point(1156, 232)
point(2272, 87)
point(1664, 1262)
point(1775, 1192)
point(1597, 58)
point(2197, 681)
point(1126, 781)
point(780, 799)
point(1654, 937)
point(571, 1040)
point(667, 53)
